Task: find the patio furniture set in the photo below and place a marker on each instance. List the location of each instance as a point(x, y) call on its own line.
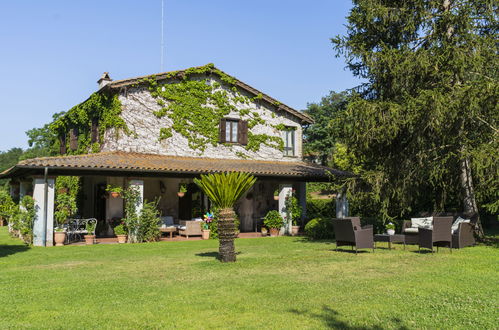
point(184, 228)
point(452, 232)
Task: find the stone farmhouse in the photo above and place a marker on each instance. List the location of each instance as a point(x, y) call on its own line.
point(158, 132)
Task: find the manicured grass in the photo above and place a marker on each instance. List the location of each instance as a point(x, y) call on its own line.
point(276, 283)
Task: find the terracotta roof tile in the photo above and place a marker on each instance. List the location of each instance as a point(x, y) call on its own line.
point(139, 162)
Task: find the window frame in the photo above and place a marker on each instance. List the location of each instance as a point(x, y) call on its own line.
point(231, 127)
point(289, 135)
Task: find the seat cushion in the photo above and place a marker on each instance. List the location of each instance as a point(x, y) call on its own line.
point(182, 227)
point(455, 225)
point(411, 230)
point(422, 222)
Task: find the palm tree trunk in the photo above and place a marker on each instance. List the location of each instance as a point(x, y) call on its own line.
point(226, 235)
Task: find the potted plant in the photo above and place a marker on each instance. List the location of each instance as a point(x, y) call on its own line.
point(276, 195)
point(294, 210)
point(182, 190)
point(120, 233)
point(114, 191)
point(90, 237)
point(65, 207)
point(264, 231)
point(274, 221)
point(390, 229)
point(205, 226)
point(60, 215)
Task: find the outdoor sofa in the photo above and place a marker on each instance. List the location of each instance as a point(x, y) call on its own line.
point(190, 228)
point(461, 229)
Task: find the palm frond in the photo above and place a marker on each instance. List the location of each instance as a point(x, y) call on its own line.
point(225, 189)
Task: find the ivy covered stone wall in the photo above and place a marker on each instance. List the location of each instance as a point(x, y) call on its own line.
point(167, 119)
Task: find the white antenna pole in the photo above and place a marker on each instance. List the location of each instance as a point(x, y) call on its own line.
point(162, 33)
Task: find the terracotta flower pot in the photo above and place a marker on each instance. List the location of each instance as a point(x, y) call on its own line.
point(274, 232)
point(89, 239)
point(180, 194)
point(264, 233)
point(115, 194)
point(59, 238)
point(294, 230)
point(276, 198)
point(206, 234)
point(121, 238)
point(2, 222)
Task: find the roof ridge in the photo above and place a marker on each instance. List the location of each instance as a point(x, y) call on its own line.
point(241, 84)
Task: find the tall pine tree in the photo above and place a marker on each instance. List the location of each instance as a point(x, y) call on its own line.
point(426, 119)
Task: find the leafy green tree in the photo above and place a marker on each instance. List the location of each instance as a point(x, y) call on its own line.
point(426, 119)
point(224, 190)
point(321, 136)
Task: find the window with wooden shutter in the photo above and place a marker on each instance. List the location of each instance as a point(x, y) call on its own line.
point(73, 138)
point(94, 136)
point(222, 130)
point(62, 142)
point(242, 132)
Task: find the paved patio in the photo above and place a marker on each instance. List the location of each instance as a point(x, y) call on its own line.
point(176, 238)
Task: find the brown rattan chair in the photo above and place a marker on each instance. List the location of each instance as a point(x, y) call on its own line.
point(464, 235)
point(348, 232)
point(439, 235)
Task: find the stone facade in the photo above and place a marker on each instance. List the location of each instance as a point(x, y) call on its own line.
point(138, 107)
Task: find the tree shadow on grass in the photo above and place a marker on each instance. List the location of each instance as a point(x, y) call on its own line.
point(6, 250)
point(212, 255)
point(331, 319)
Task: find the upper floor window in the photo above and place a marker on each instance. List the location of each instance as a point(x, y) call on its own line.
point(233, 131)
point(288, 137)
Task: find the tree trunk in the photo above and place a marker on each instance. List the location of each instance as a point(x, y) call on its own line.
point(469, 201)
point(226, 235)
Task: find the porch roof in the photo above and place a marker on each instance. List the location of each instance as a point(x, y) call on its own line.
point(120, 163)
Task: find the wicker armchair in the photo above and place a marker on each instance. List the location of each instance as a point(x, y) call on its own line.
point(348, 232)
point(439, 235)
point(189, 228)
point(464, 235)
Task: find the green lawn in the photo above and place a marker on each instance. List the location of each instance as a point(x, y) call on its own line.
point(276, 283)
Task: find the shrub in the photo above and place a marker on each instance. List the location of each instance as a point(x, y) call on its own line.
point(273, 219)
point(119, 230)
point(319, 228)
point(26, 218)
point(149, 221)
point(321, 208)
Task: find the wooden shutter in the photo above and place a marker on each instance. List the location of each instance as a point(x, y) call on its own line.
point(223, 123)
point(242, 132)
point(62, 142)
point(95, 131)
point(73, 138)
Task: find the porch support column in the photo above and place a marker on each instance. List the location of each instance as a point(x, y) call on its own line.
point(301, 194)
point(139, 186)
point(284, 190)
point(341, 205)
point(39, 197)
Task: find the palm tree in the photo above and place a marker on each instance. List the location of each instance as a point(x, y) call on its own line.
point(224, 190)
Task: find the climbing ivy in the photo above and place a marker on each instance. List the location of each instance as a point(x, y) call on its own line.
point(106, 108)
point(196, 105)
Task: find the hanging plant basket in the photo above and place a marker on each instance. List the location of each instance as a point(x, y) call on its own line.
point(181, 194)
point(114, 194)
point(276, 198)
point(62, 191)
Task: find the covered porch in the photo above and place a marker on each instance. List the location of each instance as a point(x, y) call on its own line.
point(156, 177)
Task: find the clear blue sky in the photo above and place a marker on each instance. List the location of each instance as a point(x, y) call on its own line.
point(53, 52)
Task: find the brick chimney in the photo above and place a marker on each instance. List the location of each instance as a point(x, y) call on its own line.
point(104, 80)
